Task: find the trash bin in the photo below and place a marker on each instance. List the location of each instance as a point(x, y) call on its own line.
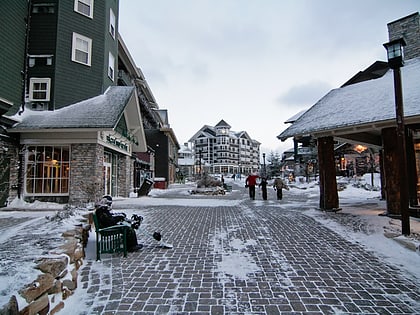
point(160, 183)
point(145, 187)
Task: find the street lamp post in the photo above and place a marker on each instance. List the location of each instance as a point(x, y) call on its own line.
point(396, 61)
point(264, 164)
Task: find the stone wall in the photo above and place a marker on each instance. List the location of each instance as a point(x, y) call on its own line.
point(86, 177)
point(47, 294)
point(125, 175)
point(9, 152)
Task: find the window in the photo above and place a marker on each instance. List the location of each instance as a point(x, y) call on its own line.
point(84, 7)
point(112, 23)
point(47, 170)
point(111, 66)
point(81, 49)
point(39, 89)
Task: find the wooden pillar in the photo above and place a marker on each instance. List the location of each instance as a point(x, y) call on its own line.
point(411, 168)
point(327, 175)
point(381, 169)
point(391, 171)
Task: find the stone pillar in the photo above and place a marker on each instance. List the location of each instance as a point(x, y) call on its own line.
point(327, 175)
point(86, 173)
point(125, 174)
point(12, 155)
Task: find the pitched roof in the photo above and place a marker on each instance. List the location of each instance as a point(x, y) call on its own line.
point(361, 105)
point(223, 123)
point(99, 112)
point(374, 71)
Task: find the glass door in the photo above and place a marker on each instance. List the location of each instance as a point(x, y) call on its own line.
point(107, 170)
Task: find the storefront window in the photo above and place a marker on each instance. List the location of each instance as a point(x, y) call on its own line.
point(47, 170)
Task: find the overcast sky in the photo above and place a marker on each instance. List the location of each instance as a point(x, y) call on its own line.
point(253, 63)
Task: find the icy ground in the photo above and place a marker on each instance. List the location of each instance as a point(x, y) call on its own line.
point(32, 230)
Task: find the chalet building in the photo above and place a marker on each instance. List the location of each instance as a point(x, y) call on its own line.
point(219, 150)
point(362, 112)
point(74, 105)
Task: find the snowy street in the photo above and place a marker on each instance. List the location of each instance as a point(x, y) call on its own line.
point(233, 255)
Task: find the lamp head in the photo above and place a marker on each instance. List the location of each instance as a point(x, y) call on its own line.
point(395, 53)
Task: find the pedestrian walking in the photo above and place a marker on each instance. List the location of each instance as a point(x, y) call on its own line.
point(278, 186)
point(263, 186)
point(250, 183)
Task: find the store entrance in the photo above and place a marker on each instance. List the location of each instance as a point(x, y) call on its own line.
point(107, 178)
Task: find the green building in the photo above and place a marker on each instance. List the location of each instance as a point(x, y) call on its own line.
point(60, 60)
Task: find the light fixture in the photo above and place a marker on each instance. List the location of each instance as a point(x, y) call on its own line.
point(360, 148)
point(394, 51)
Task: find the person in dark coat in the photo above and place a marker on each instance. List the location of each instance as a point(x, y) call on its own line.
point(250, 183)
point(263, 186)
point(106, 219)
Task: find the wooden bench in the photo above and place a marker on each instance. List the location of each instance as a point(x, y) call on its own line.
point(111, 239)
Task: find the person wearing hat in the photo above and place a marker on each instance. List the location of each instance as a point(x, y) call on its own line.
point(106, 219)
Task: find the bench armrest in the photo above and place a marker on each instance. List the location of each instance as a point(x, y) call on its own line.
point(115, 228)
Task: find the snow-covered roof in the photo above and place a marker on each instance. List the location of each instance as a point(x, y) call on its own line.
point(101, 112)
point(366, 104)
point(223, 124)
point(295, 117)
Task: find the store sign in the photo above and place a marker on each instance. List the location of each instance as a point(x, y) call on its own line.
point(118, 143)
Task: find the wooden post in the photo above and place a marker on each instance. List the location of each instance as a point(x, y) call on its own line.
point(381, 161)
point(327, 175)
point(391, 171)
point(411, 169)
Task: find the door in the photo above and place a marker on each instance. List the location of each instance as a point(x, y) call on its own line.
point(107, 178)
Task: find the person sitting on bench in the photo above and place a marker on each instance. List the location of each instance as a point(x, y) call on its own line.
point(107, 219)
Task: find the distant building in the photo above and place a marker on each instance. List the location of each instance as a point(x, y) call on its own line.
point(185, 161)
point(219, 150)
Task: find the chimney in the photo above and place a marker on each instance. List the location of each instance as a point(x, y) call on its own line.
point(408, 28)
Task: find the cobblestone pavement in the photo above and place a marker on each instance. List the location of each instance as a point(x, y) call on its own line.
point(294, 265)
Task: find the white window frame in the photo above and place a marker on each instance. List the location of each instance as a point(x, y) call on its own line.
point(75, 48)
point(88, 3)
point(32, 90)
point(111, 66)
point(112, 23)
point(47, 175)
